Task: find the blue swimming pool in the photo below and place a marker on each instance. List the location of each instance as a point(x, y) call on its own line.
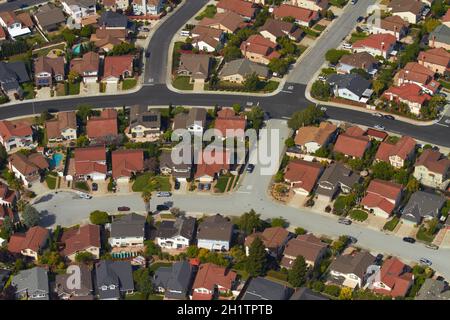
point(56, 160)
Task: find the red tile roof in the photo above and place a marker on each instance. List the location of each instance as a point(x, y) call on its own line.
point(446, 17)
point(33, 239)
point(211, 162)
point(299, 14)
point(379, 193)
point(127, 162)
point(240, 7)
point(88, 160)
point(79, 239)
point(117, 66)
point(227, 121)
point(402, 149)
point(2, 33)
point(392, 274)
point(303, 174)
point(18, 129)
point(28, 165)
point(438, 56)
point(434, 161)
point(409, 92)
point(258, 44)
point(380, 41)
point(352, 142)
point(376, 133)
point(103, 126)
point(210, 275)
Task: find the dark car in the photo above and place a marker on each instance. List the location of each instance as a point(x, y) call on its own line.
point(123, 209)
point(177, 185)
point(360, 19)
point(379, 258)
point(94, 187)
point(162, 207)
point(409, 239)
point(250, 168)
point(345, 221)
point(147, 54)
point(352, 240)
point(207, 186)
point(388, 116)
point(200, 186)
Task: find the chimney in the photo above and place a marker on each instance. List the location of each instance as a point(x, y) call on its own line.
point(382, 48)
point(433, 43)
point(395, 32)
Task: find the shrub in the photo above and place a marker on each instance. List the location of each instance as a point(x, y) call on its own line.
point(358, 215)
point(332, 290)
point(99, 217)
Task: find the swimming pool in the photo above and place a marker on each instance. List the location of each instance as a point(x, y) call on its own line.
point(56, 160)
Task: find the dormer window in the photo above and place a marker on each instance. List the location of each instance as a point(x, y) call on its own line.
point(112, 287)
point(104, 288)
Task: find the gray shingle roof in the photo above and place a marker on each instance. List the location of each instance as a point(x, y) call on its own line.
point(215, 228)
point(182, 226)
point(440, 34)
point(140, 115)
point(112, 19)
point(307, 294)
point(353, 82)
point(130, 225)
point(423, 204)
point(264, 289)
point(353, 264)
point(32, 281)
point(244, 67)
point(86, 288)
point(335, 175)
point(176, 280)
point(12, 74)
point(117, 273)
point(49, 15)
point(433, 290)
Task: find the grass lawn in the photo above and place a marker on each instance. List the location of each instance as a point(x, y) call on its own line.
point(358, 215)
point(164, 183)
point(270, 86)
point(423, 235)
point(182, 83)
point(51, 181)
point(222, 182)
point(155, 297)
point(281, 276)
point(73, 88)
point(391, 224)
point(135, 296)
point(28, 90)
point(82, 185)
point(128, 84)
point(319, 27)
point(209, 12)
point(358, 36)
point(35, 39)
point(445, 84)
point(144, 182)
point(44, 52)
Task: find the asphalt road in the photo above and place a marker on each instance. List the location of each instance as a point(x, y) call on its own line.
point(17, 4)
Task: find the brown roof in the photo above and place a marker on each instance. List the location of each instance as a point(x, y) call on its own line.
point(414, 71)
point(404, 146)
point(303, 174)
point(356, 263)
point(28, 165)
point(352, 142)
point(79, 239)
point(240, 7)
point(215, 227)
point(88, 63)
point(229, 19)
point(103, 37)
point(210, 275)
point(34, 239)
point(54, 66)
point(307, 246)
point(6, 194)
point(273, 238)
point(406, 6)
point(434, 161)
point(103, 126)
point(258, 44)
point(88, 160)
point(117, 66)
point(9, 129)
point(361, 60)
point(394, 23)
point(198, 65)
point(315, 134)
point(127, 162)
point(25, 18)
point(438, 56)
point(63, 120)
point(278, 28)
point(298, 13)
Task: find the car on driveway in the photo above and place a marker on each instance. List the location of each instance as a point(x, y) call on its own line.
point(432, 246)
point(379, 126)
point(425, 261)
point(94, 187)
point(177, 185)
point(250, 168)
point(322, 78)
point(345, 221)
point(85, 196)
point(162, 207)
point(147, 54)
point(409, 239)
point(360, 19)
point(163, 194)
point(123, 208)
point(377, 114)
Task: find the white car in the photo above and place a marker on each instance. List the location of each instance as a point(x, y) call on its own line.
point(347, 45)
point(85, 196)
point(425, 261)
point(322, 78)
point(377, 114)
point(323, 109)
point(379, 127)
point(163, 194)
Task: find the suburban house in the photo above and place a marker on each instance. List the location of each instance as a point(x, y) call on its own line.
point(32, 284)
point(335, 179)
point(408, 10)
point(273, 29)
point(126, 164)
point(114, 279)
point(411, 94)
point(350, 86)
point(315, 5)
point(105, 39)
point(194, 121)
point(8, 197)
point(393, 280)
point(394, 25)
point(62, 127)
point(446, 18)
point(423, 206)
point(79, 9)
point(147, 7)
point(436, 59)
point(302, 16)
point(29, 244)
point(237, 70)
point(87, 66)
point(302, 175)
point(196, 66)
point(352, 268)
point(2, 34)
point(180, 171)
point(90, 163)
point(440, 37)
point(115, 20)
point(128, 231)
point(417, 74)
point(242, 8)
point(432, 169)
point(433, 289)
point(207, 39)
point(211, 164)
point(144, 123)
point(12, 75)
point(230, 125)
point(215, 233)
point(15, 134)
point(49, 70)
point(84, 292)
point(274, 240)
point(359, 60)
point(304, 293)
point(265, 289)
point(377, 135)
point(352, 143)
point(103, 127)
point(311, 138)
point(7, 211)
point(177, 234)
point(307, 246)
point(174, 281)
point(82, 239)
point(211, 280)
point(382, 44)
point(49, 17)
point(227, 21)
point(396, 154)
point(117, 68)
point(27, 169)
point(259, 49)
point(382, 197)
point(16, 25)
point(115, 4)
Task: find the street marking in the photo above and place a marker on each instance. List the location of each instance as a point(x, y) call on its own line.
point(286, 91)
point(250, 187)
point(246, 192)
point(444, 125)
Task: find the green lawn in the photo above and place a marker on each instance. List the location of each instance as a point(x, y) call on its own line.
point(358, 215)
point(82, 185)
point(391, 224)
point(222, 182)
point(51, 181)
point(73, 88)
point(148, 181)
point(445, 84)
point(358, 36)
point(44, 52)
point(182, 83)
point(128, 84)
point(423, 235)
point(209, 12)
point(164, 183)
point(28, 90)
point(134, 296)
point(142, 182)
point(35, 39)
point(319, 27)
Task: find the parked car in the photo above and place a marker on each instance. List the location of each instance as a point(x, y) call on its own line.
point(360, 19)
point(201, 186)
point(409, 239)
point(346, 45)
point(379, 126)
point(352, 240)
point(388, 116)
point(425, 261)
point(354, 1)
point(147, 54)
point(345, 221)
point(162, 207)
point(379, 258)
point(377, 114)
point(207, 186)
point(163, 194)
point(177, 185)
point(322, 78)
point(85, 196)
point(432, 246)
point(250, 168)
point(123, 208)
point(94, 187)
point(324, 109)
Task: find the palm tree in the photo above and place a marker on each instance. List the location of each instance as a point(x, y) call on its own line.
point(146, 196)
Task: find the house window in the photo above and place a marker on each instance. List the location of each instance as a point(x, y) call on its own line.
point(104, 288)
point(112, 287)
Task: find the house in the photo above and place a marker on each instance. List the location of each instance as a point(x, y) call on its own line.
point(382, 197)
point(117, 68)
point(396, 154)
point(82, 239)
point(12, 75)
point(417, 74)
point(302, 175)
point(446, 18)
point(116, 4)
point(105, 39)
point(408, 10)
point(126, 164)
point(265, 289)
point(359, 60)
point(259, 49)
point(49, 17)
point(302, 16)
point(211, 164)
point(62, 127)
point(114, 20)
point(227, 21)
point(197, 66)
point(393, 25)
point(174, 281)
point(274, 239)
point(393, 280)
point(84, 292)
point(104, 126)
point(433, 289)
point(304, 293)
point(211, 280)
point(31, 243)
point(237, 70)
point(273, 29)
point(90, 163)
point(194, 121)
point(423, 206)
point(436, 59)
point(335, 179)
point(87, 66)
point(7, 211)
point(382, 44)
point(440, 37)
point(307, 246)
point(127, 231)
point(411, 94)
point(32, 284)
point(177, 234)
point(47, 70)
point(15, 134)
point(114, 279)
point(432, 169)
point(311, 138)
point(315, 5)
point(352, 143)
point(207, 39)
point(147, 7)
point(179, 171)
point(352, 268)
point(8, 197)
point(377, 135)
point(79, 9)
point(215, 233)
point(27, 168)
point(144, 123)
point(16, 25)
point(230, 125)
point(242, 8)
point(350, 86)
point(2, 34)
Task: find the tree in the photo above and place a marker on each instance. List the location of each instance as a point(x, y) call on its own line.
point(289, 19)
point(7, 228)
point(31, 217)
point(363, 73)
point(82, 141)
point(123, 48)
point(69, 36)
point(192, 251)
point(329, 15)
point(236, 107)
point(412, 185)
point(84, 257)
point(250, 222)
point(86, 31)
point(321, 90)
point(311, 115)
point(257, 259)
point(72, 76)
point(334, 55)
point(299, 231)
point(146, 196)
point(438, 8)
point(378, 86)
point(340, 244)
point(290, 142)
point(84, 111)
point(231, 53)
point(401, 176)
point(256, 117)
point(52, 259)
point(382, 170)
point(151, 249)
point(297, 274)
point(345, 294)
point(278, 222)
point(251, 82)
point(99, 217)
point(143, 280)
point(278, 66)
